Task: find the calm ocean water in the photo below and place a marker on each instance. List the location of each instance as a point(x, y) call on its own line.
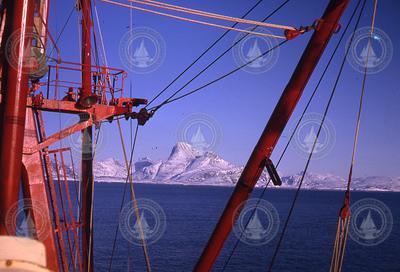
point(192, 211)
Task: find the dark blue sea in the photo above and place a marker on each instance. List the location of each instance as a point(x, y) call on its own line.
point(191, 213)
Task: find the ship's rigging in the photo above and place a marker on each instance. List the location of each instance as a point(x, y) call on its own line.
point(100, 99)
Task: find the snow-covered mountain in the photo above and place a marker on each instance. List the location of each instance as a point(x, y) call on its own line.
point(315, 181)
point(185, 165)
point(109, 169)
point(68, 171)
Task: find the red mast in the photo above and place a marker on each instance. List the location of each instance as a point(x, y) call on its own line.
point(271, 134)
point(14, 88)
point(21, 112)
point(86, 99)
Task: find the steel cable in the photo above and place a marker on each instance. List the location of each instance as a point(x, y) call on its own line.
point(221, 55)
point(202, 54)
point(154, 109)
point(344, 215)
point(295, 130)
point(193, 21)
point(315, 142)
point(208, 14)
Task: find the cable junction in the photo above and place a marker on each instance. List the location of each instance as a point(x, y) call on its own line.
point(288, 34)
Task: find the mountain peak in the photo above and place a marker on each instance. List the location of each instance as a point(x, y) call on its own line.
point(115, 161)
point(183, 151)
point(186, 165)
point(182, 146)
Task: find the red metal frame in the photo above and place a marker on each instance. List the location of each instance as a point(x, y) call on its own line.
point(35, 188)
point(13, 149)
point(69, 223)
point(109, 83)
point(52, 196)
point(272, 132)
point(27, 142)
point(14, 87)
point(96, 114)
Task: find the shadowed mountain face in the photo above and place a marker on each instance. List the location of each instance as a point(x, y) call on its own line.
point(186, 165)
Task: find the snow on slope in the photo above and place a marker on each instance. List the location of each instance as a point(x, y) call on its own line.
point(315, 181)
point(187, 166)
point(110, 168)
point(180, 158)
point(146, 169)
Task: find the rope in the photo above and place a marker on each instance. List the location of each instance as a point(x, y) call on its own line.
point(202, 54)
point(194, 21)
point(314, 144)
point(103, 47)
point(78, 196)
point(129, 174)
point(100, 34)
point(340, 244)
point(361, 101)
point(209, 14)
point(95, 47)
point(133, 196)
point(294, 130)
point(123, 200)
point(344, 215)
point(131, 134)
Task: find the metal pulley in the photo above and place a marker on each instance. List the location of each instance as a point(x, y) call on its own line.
point(142, 116)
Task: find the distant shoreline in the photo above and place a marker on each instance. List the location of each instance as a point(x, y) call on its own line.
point(120, 181)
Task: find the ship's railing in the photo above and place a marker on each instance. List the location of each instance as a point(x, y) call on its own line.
point(64, 82)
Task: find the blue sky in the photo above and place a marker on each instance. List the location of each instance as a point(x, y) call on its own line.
point(242, 103)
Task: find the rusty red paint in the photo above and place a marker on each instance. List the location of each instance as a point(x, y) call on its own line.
point(27, 142)
point(86, 96)
point(35, 188)
point(14, 88)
